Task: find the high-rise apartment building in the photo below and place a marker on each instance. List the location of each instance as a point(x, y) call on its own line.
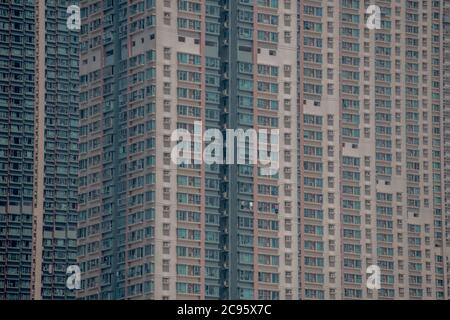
point(446, 108)
point(372, 150)
point(38, 149)
point(361, 152)
point(149, 228)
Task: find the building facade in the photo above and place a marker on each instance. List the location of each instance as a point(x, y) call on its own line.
point(38, 149)
point(151, 228)
point(372, 151)
point(446, 108)
point(358, 128)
